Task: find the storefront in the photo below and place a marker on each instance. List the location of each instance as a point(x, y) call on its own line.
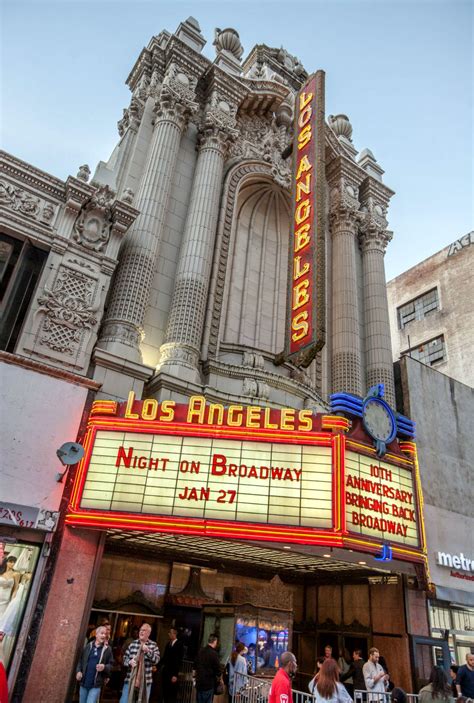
point(25, 535)
point(451, 608)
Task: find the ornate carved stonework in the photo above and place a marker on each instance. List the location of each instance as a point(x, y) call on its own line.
point(92, 226)
point(274, 595)
point(255, 388)
point(373, 237)
point(181, 353)
point(21, 201)
point(253, 360)
point(177, 98)
point(123, 332)
point(68, 311)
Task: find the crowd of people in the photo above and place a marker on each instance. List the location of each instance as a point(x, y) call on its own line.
point(334, 681)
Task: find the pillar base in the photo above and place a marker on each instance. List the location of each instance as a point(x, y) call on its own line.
point(119, 375)
point(180, 361)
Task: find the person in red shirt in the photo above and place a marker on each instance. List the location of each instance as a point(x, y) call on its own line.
point(280, 691)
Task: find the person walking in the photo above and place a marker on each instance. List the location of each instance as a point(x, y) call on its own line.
point(465, 678)
point(94, 667)
point(280, 691)
point(207, 671)
point(328, 689)
point(376, 680)
point(140, 658)
point(355, 673)
point(319, 662)
point(237, 669)
point(437, 689)
point(171, 664)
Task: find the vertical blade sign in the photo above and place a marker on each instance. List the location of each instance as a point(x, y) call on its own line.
point(306, 300)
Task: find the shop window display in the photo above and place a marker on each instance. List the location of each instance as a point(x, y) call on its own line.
point(16, 575)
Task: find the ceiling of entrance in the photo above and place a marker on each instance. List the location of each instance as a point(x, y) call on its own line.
point(246, 558)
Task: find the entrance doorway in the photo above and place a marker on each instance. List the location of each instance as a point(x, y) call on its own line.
point(426, 653)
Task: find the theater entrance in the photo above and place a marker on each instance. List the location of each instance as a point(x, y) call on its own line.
point(171, 580)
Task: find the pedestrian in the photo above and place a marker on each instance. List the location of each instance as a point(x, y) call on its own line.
point(355, 673)
point(94, 667)
point(171, 664)
point(376, 680)
point(399, 695)
point(328, 652)
point(328, 689)
point(140, 658)
point(237, 669)
point(319, 662)
point(344, 662)
point(280, 691)
point(465, 678)
point(437, 689)
point(453, 672)
point(3, 684)
point(207, 671)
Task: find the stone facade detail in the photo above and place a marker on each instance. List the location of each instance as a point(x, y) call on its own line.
point(134, 277)
point(346, 343)
point(188, 308)
point(373, 239)
point(25, 203)
point(67, 311)
point(93, 224)
point(81, 225)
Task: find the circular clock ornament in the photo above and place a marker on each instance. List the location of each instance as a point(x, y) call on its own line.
point(379, 420)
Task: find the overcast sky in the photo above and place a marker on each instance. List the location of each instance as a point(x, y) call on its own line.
point(402, 71)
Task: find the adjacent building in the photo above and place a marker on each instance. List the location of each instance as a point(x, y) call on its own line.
point(431, 311)
point(443, 409)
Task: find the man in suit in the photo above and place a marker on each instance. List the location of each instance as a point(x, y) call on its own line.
point(171, 665)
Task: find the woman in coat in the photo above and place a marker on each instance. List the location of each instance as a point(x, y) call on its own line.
point(438, 688)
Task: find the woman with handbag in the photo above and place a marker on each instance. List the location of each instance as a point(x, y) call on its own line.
point(327, 688)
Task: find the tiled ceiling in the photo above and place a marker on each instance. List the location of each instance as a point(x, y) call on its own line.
point(237, 556)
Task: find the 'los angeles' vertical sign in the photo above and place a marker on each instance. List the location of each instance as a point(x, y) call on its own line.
point(306, 295)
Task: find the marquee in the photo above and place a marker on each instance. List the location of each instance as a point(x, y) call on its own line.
point(245, 472)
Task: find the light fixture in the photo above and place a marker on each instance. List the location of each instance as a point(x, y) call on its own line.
point(362, 562)
point(328, 556)
point(286, 547)
point(69, 453)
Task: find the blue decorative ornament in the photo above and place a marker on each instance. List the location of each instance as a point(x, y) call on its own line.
point(378, 418)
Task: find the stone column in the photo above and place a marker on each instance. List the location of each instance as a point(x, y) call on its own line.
point(346, 347)
point(378, 348)
point(180, 353)
point(122, 330)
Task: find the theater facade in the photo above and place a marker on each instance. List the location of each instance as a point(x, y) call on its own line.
point(206, 315)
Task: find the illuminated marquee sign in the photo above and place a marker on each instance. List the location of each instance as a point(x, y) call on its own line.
point(306, 301)
point(249, 472)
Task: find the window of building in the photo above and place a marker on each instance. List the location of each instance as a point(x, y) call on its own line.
point(430, 353)
point(418, 308)
point(21, 264)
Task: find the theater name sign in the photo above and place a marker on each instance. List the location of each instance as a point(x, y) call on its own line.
point(246, 472)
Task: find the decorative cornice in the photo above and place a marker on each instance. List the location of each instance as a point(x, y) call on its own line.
point(30, 365)
point(273, 380)
point(33, 177)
